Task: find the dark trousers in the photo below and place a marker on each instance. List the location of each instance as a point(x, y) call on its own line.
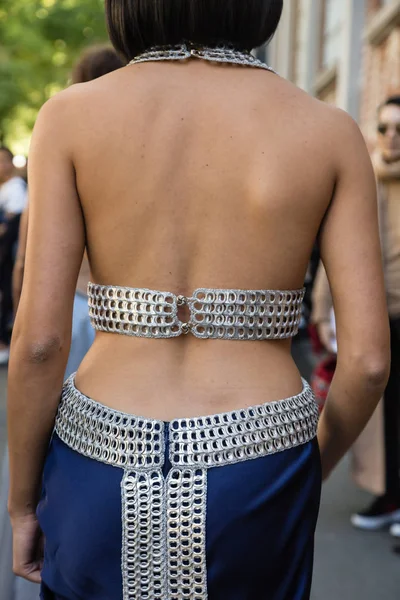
point(7, 249)
point(392, 416)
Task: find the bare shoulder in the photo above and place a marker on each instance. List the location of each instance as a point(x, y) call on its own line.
point(316, 132)
point(54, 109)
point(58, 115)
point(75, 103)
point(343, 137)
point(343, 131)
point(331, 119)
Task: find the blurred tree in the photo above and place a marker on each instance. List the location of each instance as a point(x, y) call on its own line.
point(39, 42)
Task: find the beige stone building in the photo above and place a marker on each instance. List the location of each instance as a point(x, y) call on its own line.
point(343, 51)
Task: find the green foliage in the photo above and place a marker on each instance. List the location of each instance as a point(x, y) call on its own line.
point(40, 41)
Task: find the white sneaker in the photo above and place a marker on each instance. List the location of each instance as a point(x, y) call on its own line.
point(4, 356)
point(380, 514)
point(395, 530)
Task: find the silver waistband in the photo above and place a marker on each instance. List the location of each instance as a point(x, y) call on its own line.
point(164, 517)
point(131, 442)
point(214, 313)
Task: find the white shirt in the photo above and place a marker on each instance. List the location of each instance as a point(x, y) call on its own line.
point(13, 196)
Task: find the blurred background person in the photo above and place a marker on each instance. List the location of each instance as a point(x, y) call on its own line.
point(323, 333)
point(94, 62)
point(13, 199)
point(386, 508)
point(166, 109)
point(376, 454)
point(302, 345)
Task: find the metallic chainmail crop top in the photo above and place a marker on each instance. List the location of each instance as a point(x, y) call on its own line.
point(214, 313)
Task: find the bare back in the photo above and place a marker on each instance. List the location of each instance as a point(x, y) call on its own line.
point(194, 175)
point(180, 177)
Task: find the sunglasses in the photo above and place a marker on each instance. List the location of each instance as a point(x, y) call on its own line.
point(384, 127)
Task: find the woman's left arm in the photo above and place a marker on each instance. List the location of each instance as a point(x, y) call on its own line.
point(42, 331)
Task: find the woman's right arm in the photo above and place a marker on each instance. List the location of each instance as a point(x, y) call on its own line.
point(351, 253)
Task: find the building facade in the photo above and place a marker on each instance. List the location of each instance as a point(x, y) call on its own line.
point(346, 52)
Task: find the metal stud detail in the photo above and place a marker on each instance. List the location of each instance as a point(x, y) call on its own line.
point(214, 313)
point(107, 435)
point(245, 434)
point(143, 536)
point(133, 443)
point(186, 534)
point(245, 314)
point(137, 312)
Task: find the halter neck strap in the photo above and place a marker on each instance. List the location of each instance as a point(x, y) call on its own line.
point(219, 54)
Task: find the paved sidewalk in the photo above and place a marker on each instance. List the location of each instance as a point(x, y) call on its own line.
point(351, 564)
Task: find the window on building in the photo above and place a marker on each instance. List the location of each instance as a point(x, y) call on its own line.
point(333, 16)
point(300, 31)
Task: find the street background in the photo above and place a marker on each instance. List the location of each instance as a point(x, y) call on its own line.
point(345, 52)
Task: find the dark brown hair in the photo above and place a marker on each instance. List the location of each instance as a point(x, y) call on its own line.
point(8, 152)
point(95, 62)
point(137, 25)
point(392, 100)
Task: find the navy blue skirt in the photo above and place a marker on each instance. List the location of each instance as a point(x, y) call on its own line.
point(221, 507)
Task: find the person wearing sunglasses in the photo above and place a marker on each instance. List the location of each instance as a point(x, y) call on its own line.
point(385, 509)
point(389, 129)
